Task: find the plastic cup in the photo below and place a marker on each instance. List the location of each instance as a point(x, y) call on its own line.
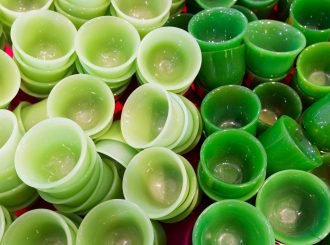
point(169, 57)
point(296, 204)
point(39, 226)
point(262, 8)
point(312, 19)
point(288, 148)
point(323, 172)
point(38, 46)
point(125, 222)
point(180, 20)
point(223, 67)
point(76, 21)
point(157, 181)
point(154, 122)
point(218, 28)
point(10, 79)
point(230, 106)
point(5, 221)
point(113, 133)
point(232, 166)
point(107, 46)
point(232, 222)
point(207, 4)
point(177, 7)
point(313, 74)
point(248, 13)
point(277, 99)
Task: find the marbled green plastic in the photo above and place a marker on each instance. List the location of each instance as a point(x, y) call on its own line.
point(288, 148)
point(250, 16)
point(296, 204)
point(180, 20)
point(313, 70)
point(312, 18)
point(232, 222)
point(218, 28)
point(223, 67)
point(207, 4)
point(230, 106)
point(316, 123)
point(272, 47)
point(262, 8)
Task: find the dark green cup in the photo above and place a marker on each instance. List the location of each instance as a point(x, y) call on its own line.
point(230, 106)
point(288, 148)
point(247, 12)
point(180, 20)
point(262, 8)
point(232, 222)
point(296, 204)
point(207, 4)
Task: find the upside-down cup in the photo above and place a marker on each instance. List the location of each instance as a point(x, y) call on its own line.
point(313, 73)
point(288, 148)
point(218, 28)
point(296, 204)
point(169, 57)
point(157, 181)
point(277, 99)
point(107, 46)
point(312, 19)
point(230, 106)
point(272, 47)
point(5, 221)
point(232, 165)
point(117, 221)
point(84, 99)
point(10, 79)
point(207, 4)
point(232, 222)
point(40, 226)
point(39, 47)
point(262, 8)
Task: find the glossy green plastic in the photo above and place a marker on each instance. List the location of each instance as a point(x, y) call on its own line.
point(232, 222)
point(232, 165)
point(250, 16)
point(272, 47)
point(288, 148)
point(230, 106)
point(207, 4)
point(218, 28)
point(277, 99)
point(313, 70)
point(180, 20)
point(312, 19)
point(323, 172)
point(5, 221)
point(296, 204)
point(262, 8)
point(316, 123)
point(223, 67)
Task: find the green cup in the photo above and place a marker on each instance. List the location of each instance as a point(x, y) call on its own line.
point(296, 204)
point(272, 47)
point(313, 72)
point(40, 226)
point(118, 221)
point(10, 79)
point(177, 7)
point(288, 148)
point(37, 46)
point(312, 19)
point(232, 165)
point(277, 99)
point(223, 67)
point(218, 28)
point(230, 106)
point(5, 221)
point(113, 133)
point(250, 16)
point(323, 172)
point(207, 4)
point(316, 123)
point(76, 21)
point(262, 8)
point(157, 181)
point(180, 20)
point(232, 222)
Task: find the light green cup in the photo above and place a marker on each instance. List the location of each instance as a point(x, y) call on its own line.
point(117, 221)
point(76, 21)
point(84, 99)
point(157, 181)
point(10, 79)
point(38, 46)
point(40, 226)
point(5, 221)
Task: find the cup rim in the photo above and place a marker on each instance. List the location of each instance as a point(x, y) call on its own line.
point(206, 5)
point(263, 3)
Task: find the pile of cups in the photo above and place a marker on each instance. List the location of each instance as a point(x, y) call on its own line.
point(81, 11)
point(44, 57)
point(152, 116)
point(65, 169)
point(162, 183)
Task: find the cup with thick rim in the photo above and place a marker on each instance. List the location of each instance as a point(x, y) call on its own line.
point(262, 8)
point(207, 4)
point(248, 13)
point(180, 20)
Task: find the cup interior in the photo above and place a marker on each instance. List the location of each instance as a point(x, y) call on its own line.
point(23, 5)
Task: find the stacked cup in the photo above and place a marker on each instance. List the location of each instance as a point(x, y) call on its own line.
point(145, 15)
point(152, 116)
point(65, 169)
point(162, 183)
point(262, 8)
point(5, 221)
point(44, 57)
point(80, 11)
point(14, 194)
point(107, 48)
point(219, 32)
point(177, 6)
point(169, 57)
